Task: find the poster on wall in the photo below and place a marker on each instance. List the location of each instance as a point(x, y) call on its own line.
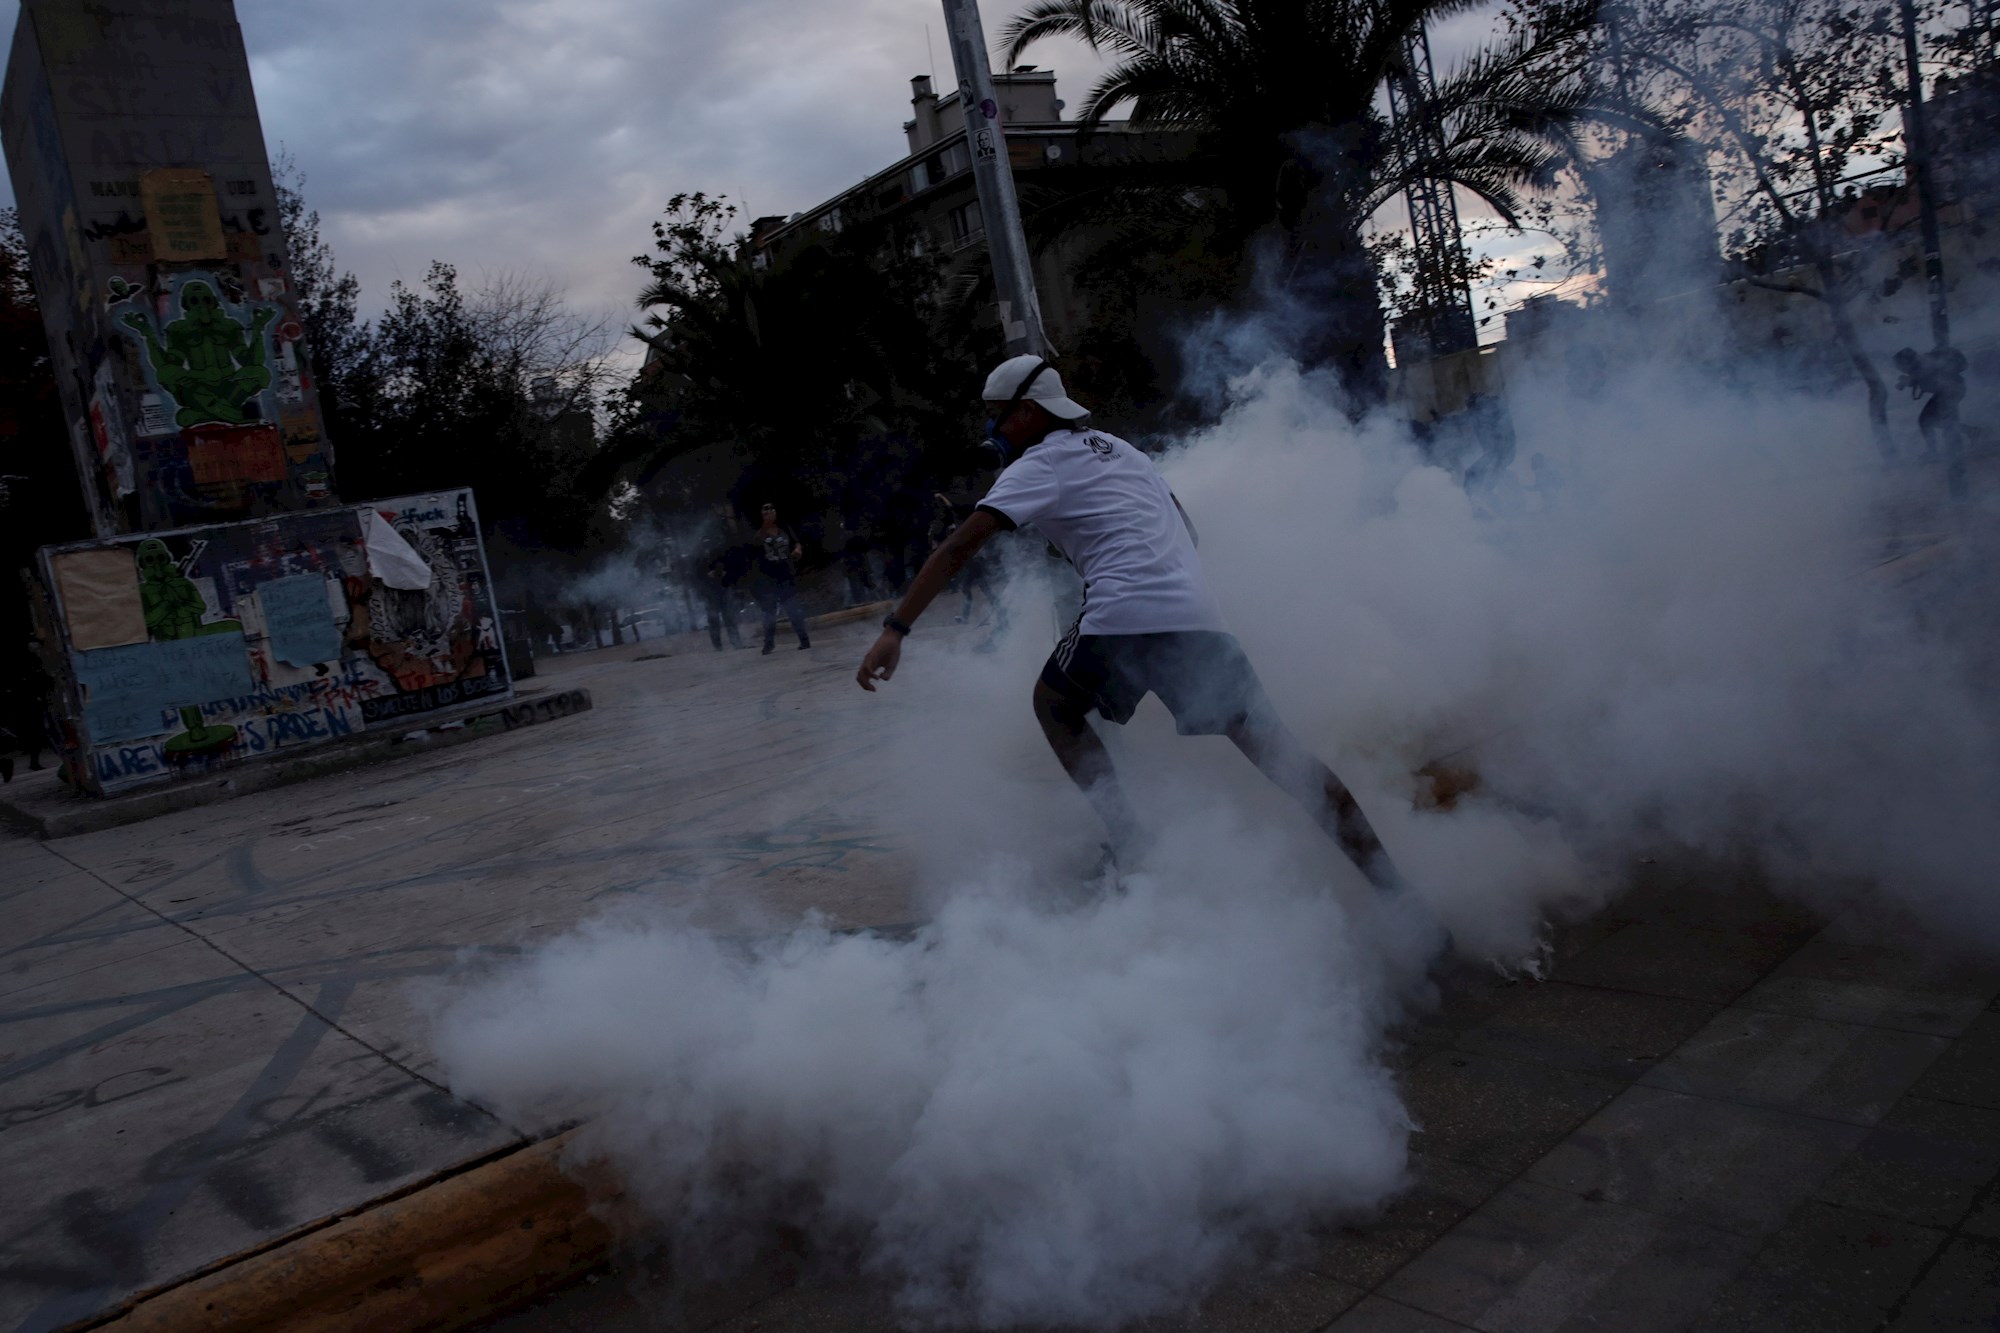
point(101, 590)
point(182, 216)
point(436, 643)
point(245, 639)
point(223, 422)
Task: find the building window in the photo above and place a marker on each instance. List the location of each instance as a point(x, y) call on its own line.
point(931, 172)
point(939, 168)
point(966, 225)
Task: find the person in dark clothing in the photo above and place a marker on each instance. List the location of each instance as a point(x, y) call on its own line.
point(854, 564)
point(978, 571)
point(717, 579)
point(24, 691)
point(1941, 374)
point(778, 553)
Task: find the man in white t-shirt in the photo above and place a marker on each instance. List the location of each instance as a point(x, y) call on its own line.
point(1149, 623)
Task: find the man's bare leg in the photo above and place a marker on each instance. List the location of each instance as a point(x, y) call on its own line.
point(1298, 773)
point(1083, 756)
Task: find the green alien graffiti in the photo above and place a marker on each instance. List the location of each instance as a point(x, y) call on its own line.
point(209, 363)
point(174, 609)
point(172, 604)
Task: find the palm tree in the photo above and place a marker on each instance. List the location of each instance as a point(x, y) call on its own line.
point(1294, 153)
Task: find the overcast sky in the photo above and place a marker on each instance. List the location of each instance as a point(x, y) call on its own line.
point(542, 136)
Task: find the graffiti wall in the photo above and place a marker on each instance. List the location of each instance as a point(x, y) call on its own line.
point(160, 264)
point(190, 650)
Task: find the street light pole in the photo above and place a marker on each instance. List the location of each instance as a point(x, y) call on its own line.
point(999, 207)
point(1918, 146)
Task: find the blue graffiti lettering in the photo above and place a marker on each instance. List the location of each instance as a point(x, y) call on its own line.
point(128, 761)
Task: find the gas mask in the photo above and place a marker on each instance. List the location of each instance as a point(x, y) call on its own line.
point(995, 441)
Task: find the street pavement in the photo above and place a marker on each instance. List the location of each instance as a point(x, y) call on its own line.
point(1720, 1112)
point(211, 1024)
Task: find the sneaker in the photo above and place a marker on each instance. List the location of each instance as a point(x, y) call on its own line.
point(1109, 876)
point(805, 644)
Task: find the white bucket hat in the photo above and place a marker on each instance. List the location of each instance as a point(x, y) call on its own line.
point(1032, 378)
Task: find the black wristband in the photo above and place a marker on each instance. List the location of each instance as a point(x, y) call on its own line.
point(890, 622)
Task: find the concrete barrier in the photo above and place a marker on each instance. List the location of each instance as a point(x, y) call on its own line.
point(461, 1249)
point(39, 805)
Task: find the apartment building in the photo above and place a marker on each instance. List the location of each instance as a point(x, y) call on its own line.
point(927, 203)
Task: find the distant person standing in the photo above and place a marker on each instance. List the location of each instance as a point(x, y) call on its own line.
point(717, 577)
point(854, 565)
point(978, 571)
point(24, 692)
point(1548, 482)
point(1941, 374)
point(778, 554)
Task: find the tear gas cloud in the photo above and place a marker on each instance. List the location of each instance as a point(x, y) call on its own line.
point(1083, 1108)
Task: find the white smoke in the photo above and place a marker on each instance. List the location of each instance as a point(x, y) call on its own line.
point(1026, 1113)
point(1083, 1108)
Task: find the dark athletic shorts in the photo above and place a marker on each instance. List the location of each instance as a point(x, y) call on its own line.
point(1202, 676)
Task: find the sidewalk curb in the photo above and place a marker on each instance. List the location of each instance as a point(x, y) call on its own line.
point(467, 1247)
point(67, 815)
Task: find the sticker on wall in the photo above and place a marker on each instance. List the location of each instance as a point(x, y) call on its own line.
point(290, 385)
point(107, 436)
point(219, 455)
point(298, 619)
point(392, 559)
point(100, 597)
point(132, 692)
point(302, 437)
point(174, 605)
point(211, 363)
point(155, 417)
point(182, 215)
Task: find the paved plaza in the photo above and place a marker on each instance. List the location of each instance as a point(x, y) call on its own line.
point(208, 1030)
point(1720, 1112)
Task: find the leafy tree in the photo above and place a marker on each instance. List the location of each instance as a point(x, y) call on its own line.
point(495, 388)
point(41, 501)
point(825, 369)
point(1293, 152)
point(40, 498)
point(1791, 101)
point(492, 389)
point(340, 345)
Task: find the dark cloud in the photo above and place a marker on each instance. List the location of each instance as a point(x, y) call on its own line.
point(543, 135)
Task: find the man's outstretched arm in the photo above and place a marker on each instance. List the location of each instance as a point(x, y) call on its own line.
point(932, 579)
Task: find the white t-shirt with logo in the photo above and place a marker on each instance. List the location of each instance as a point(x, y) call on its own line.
point(1107, 508)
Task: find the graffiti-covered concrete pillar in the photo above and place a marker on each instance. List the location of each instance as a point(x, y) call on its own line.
point(138, 162)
